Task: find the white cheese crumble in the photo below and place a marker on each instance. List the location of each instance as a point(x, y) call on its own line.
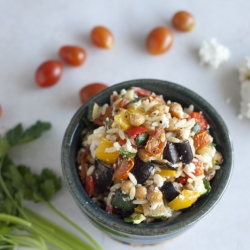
point(245, 99)
point(213, 53)
point(244, 70)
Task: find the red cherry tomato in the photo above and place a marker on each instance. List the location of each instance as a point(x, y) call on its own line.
point(199, 118)
point(159, 40)
point(90, 90)
point(183, 21)
point(156, 142)
point(122, 169)
point(102, 37)
point(1, 111)
point(141, 92)
point(201, 139)
point(48, 73)
point(73, 55)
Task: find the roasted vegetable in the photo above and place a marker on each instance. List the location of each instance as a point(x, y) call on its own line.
point(185, 152)
point(103, 175)
point(169, 191)
point(185, 199)
point(170, 153)
point(142, 170)
point(122, 201)
point(175, 152)
point(101, 154)
point(164, 164)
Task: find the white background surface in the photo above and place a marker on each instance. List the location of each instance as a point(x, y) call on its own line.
point(33, 31)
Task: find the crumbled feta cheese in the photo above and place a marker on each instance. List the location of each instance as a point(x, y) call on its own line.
point(244, 70)
point(245, 99)
point(213, 53)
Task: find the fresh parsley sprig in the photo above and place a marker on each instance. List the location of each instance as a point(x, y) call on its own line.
point(19, 226)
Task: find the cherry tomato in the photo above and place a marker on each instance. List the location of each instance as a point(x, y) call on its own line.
point(48, 73)
point(102, 37)
point(156, 142)
point(183, 21)
point(159, 40)
point(73, 55)
point(198, 168)
point(201, 139)
point(141, 92)
point(182, 180)
point(91, 89)
point(122, 169)
point(1, 111)
point(199, 118)
point(123, 103)
point(89, 185)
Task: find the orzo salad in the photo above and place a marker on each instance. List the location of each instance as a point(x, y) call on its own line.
point(144, 158)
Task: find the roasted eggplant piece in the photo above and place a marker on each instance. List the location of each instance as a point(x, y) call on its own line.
point(180, 151)
point(164, 164)
point(170, 152)
point(103, 175)
point(142, 170)
point(185, 152)
point(169, 191)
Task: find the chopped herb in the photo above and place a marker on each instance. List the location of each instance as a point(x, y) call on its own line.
point(212, 144)
point(132, 219)
point(19, 226)
point(196, 128)
point(127, 154)
point(141, 139)
point(207, 185)
point(107, 124)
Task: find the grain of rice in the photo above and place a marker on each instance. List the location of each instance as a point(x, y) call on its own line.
point(149, 182)
point(158, 180)
point(132, 178)
point(189, 109)
point(189, 124)
point(111, 137)
point(180, 123)
point(110, 150)
point(121, 134)
point(117, 146)
point(90, 170)
point(109, 198)
point(132, 193)
point(115, 187)
point(173, 139)
point(140, 202)
point(104, 107)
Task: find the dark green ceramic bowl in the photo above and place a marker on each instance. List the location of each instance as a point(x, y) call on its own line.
point(160, 231)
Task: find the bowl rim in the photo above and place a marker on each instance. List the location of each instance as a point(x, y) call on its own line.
point(95, 213)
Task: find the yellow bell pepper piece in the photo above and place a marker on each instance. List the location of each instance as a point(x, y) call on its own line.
point(185, 199)
point(166, 173)
point(122, 118)
point(138, 209)
point(108, 158)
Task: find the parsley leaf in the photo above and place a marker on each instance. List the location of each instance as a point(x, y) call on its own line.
point(127, 154)
point(141, 139)
point(207, 185)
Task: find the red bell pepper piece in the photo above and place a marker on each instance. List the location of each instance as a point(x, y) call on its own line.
point(135, 131)
point(89, 185)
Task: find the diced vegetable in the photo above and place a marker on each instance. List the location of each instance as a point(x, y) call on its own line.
point(135, 131)
point(103, 175)
point(122, 201)
point(123, 168)
point(160, 210)
point(170, 153)
point(166, 173)
point(141, 139)
point(164, 164)
point(169, 191)
point(185, 199)
point(207, 185)
point(135, 218)
point(102, 119)
point(142, 170)
point(101, 154)
point(126, 153)
point(141, 92)
point(196, 128)
point(185, 152)
point(122, 118)
point(89, 185)
point(200, 119)
point(201, 139)
point(156, 142)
